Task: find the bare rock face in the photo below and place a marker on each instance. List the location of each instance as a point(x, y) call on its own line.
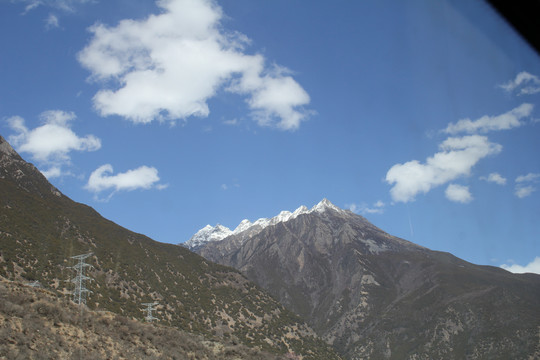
point(6, 149)
point(372, 295)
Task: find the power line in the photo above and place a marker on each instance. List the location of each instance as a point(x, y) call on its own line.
point(80, 291)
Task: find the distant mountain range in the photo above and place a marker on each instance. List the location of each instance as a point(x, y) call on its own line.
point(375, 296)
point(41, 229)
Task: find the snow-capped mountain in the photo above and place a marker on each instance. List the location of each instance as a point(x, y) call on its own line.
point(208, 233)
point(375, 296)
point(219, 232)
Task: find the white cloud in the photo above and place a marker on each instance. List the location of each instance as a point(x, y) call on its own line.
point(143, 177)
point(168, 66)
point(522, 191)
point(494, 178)
point(376, 208)
point(532, 267)
point(525, 185)
point(458, 193)
point(505, 121)
point(60, 6)
point(528, 178)
point(65, 5)
point(232, 185)
point(231, 122)
point(457, 157)
point(31, 4)
point(50, 143)
point(52, 172)
point(528, 83)
point(52, 22)
point(162, 186)
point(274, 96)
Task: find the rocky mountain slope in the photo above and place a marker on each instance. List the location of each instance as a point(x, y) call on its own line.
point(40, 229)
point(372, 295)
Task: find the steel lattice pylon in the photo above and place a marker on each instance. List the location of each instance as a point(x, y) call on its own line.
point(149, 308)
point(80, 291)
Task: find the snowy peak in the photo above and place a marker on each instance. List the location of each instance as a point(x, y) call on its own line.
point(324, 205)
point(208, 233)
point(301, 210)
point(281, 217)
point(219, 232)
point(244, 225)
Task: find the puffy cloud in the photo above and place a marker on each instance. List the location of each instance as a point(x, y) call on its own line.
point(525, 185)
point(143, 177)
point(532, 267)
point(168, 66)
point(51, 143)
point(376, 208)
point(274, 96)
point(457, 157)
point(458, 193)
point(494, 178)
point(505, 121)
point(53, 140)
point(528, 83)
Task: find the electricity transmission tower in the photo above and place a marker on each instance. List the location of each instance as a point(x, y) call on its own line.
point(149, 308)
point(80, 291)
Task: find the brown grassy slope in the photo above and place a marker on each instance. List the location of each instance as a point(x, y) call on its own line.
point(36, 324)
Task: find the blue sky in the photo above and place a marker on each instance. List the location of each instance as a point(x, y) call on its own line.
point(166, 116)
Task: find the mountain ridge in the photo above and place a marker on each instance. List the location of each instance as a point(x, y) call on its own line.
point(373, 295)
point(219, 232)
